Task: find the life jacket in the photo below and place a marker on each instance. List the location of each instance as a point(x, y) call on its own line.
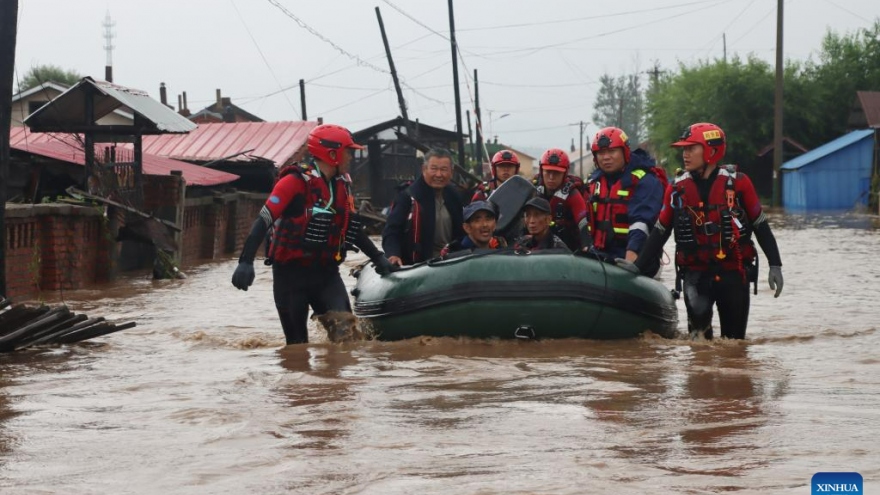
point(288, 242)
point(717, 234)
point(576, 182)
point(609, 205)
point(563, 219)
point(484, 190)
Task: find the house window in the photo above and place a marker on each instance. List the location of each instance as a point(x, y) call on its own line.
point(33, 106)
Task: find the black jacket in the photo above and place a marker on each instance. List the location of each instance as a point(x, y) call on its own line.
point(397, 237)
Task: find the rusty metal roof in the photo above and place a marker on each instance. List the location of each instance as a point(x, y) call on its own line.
point(870, 101)
point(66, 113)
point(67, 148)
point(279, 142)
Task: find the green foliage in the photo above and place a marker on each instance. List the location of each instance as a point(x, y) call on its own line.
point(44, 73)
point(739, 96)
point(736, 95)
point(620, 103)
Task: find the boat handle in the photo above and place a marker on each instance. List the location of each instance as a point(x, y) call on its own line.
point(524, 332)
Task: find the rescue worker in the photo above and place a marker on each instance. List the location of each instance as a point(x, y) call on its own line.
point(624, 196)
point(568, 210)
point(480, 219)
point(425, 216)
point(313, 219)
point(714, 211)
point(505, 164)
point(537, 218)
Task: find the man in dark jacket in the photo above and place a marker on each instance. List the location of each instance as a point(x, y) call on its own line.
point(426, 216)
point(537, 219)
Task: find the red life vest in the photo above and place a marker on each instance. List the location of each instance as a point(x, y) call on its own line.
point(287, 243)
point(716, 234)
point(484, 190)
point(609, 220)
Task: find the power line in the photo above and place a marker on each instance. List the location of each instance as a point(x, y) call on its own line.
point(246, 28)
point(849, 11)
point(715, 40)
point(534, 50)
point(587, 18)
point(358, 60)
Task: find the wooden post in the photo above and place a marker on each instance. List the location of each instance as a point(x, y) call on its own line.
point(777, 110)
point(302, 98)
point(8, 28)
point(454, 46)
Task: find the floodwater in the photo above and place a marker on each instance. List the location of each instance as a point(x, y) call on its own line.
point(200, 398)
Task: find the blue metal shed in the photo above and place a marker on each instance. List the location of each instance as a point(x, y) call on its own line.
point(834, 176)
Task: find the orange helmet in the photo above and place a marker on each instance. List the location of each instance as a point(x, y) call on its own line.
point(505, 157)
point(554, 159)
point(710, 136)
point(611, 137)
point(327, 143)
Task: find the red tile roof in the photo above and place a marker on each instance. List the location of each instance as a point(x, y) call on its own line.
point(279, 142)
point(65, 147)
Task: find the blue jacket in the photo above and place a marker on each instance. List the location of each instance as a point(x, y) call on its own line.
point(643, 208)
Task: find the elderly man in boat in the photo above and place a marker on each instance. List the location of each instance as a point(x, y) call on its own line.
point(480, 220)
point(538, 219)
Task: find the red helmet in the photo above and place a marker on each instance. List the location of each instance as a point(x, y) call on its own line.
point(611, 137)
point(710, 136)
point(554, 159)
point(327, 142)
point(505, 157)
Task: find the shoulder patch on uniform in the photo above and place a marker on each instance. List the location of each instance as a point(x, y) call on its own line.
point(274, 199)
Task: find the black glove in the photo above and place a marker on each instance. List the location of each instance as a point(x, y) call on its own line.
point(243, 277)
point(775, 279)
point(383, 266)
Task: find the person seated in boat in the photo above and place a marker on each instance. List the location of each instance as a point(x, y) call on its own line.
point(567, 207)
point(537, 219)
point(624, 195)
point(425, 216)
point(505, 164)
point(480, 219)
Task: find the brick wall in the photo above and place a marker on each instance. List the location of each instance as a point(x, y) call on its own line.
point(51, 247)
point(216, 227)
point(57, 246)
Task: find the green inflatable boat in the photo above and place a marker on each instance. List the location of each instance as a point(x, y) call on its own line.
point(505, 294)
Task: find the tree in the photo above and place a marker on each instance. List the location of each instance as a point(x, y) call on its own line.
point(44, 73)
point(620, 103)
point(737, 95)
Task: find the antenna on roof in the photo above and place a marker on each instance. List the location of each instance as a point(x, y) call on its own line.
point(108, 46)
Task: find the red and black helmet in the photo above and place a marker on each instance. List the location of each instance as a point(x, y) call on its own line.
point(555, 159)
point(611, 137)
point(709, 136)
point(504, 157)
point(327, 143)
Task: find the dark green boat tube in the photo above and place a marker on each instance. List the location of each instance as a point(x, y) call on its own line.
point(509, 295)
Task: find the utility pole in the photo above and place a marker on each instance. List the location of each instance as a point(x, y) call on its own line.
point(777, 108)
point(400, 100)
point(454, 46)
point(479, 124)
point(302, 99)
point(724, 44)
point(8, 27)
point(581, 161)
point(467, 114)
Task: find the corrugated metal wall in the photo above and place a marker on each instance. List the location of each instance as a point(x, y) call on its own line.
point(837, 181)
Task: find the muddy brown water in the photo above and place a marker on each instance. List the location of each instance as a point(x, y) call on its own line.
point(200, 397)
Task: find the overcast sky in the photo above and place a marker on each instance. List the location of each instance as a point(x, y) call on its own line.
point(538, 60)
